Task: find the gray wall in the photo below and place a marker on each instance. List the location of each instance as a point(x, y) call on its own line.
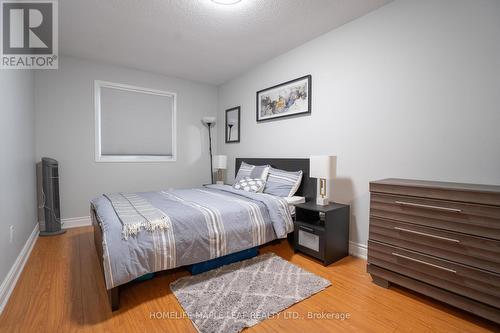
point(17, 169)
point(409, 90)
point(65, 131)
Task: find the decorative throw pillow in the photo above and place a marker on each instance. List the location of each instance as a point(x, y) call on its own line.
point(283, 183)
point(250, 184)
point(252, 171)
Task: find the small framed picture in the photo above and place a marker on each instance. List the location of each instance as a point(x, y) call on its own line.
point(233, 125)
point(285, 99)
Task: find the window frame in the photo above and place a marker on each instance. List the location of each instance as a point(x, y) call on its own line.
point(98, 85)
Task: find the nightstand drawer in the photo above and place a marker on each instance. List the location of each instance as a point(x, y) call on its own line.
point(310, 239)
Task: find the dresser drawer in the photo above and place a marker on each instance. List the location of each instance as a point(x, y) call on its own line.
point(474, 251)
point(473, 219)
point(471, 193)
point(467, 281)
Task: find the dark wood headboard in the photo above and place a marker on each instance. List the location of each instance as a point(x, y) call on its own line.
point(308, 185)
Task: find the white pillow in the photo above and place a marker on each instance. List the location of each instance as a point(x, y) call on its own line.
point(250, 184)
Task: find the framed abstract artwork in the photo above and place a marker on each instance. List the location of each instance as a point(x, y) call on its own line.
point(286, 99)
point(233, 125)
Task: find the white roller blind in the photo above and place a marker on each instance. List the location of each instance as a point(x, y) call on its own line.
point(135, 123)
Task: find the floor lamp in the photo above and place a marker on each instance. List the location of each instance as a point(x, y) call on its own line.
point(210, 121)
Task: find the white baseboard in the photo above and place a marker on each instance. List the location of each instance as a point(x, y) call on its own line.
point(358, 250)
point(75, 222)
point(10, 280)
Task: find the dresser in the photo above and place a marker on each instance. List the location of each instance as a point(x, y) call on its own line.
point(439, 239)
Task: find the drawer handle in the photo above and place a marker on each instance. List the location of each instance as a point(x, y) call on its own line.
point(411, 204)
point(428, 235)
point(306, 229)
point(425, 263)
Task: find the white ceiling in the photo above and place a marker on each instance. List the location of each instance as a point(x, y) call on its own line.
point(197, 39)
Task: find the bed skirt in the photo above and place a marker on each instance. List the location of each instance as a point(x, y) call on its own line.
point(221, 261)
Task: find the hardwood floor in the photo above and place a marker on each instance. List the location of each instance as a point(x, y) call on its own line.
point(62, 290)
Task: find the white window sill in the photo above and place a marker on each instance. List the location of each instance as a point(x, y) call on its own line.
point(134, 158)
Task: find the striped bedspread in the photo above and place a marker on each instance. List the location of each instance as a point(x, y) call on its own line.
point(204, 223)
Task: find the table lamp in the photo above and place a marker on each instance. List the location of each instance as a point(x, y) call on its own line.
point(220, 164)
point(322, 168)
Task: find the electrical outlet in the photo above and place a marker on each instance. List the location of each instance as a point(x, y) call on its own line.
point(12, 231)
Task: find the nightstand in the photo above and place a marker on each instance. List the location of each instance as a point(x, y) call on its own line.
point(322, 231)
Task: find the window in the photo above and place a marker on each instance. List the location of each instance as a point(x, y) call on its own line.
point(134, 124)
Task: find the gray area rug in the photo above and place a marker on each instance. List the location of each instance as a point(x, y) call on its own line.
point(240, 295)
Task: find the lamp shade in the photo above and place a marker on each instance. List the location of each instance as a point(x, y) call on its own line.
point(322, 167)
point(208, 120)
point(220, 162)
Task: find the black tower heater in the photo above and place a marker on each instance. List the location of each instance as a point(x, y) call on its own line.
point(49, 212)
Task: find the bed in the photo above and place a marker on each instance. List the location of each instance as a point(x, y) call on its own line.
point(205, 223)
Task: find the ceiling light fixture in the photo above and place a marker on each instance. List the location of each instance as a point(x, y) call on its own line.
point(226, 2)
